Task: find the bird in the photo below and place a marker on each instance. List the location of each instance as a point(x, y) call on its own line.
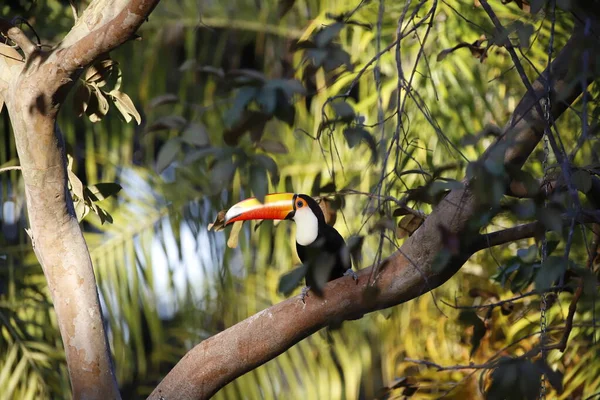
point(320, 247)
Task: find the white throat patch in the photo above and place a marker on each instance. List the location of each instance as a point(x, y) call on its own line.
point(307, 226)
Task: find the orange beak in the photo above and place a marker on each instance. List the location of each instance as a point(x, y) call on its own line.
point(275, 206)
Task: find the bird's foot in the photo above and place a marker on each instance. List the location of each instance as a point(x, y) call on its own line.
point(304, 293)
point(350, 272)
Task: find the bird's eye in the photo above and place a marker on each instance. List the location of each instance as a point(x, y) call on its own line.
point(300, 203)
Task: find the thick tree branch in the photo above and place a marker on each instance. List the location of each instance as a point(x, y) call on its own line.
point(403, 276)
point(108, 36)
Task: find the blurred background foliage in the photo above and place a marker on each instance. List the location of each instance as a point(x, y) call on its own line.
point(243, 98)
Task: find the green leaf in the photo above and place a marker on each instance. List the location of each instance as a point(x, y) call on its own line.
point(549, 272)
point(167, 98)
point(524, 33)
point(327, 34)
point(244, 96)
point(343, 110)
point(336, 58)
point(317, 56)
point(101, 191)
point(270, 165)
point(354, 135)
point(221, 173)
point(551, 218)
point(259, 182)
point(290, 281)
point(195, 135)
point(167, 122)
point(272, 146)
point(267, 99)
point(167, 154)
point(528, 255)
point(582, 180)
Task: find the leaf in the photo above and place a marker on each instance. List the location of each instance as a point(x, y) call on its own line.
point(336, 58)
point(221, 173)
point(551, 218)
point(536, 6)
point(549, 272)
point(283, 7)
point(316, 186)
point(354, 135)
point(528, 255)
point(232, 241)
point(167, 98)
point(267, 99)
point(98, 105)
point(272, 146)
point(285, 112)
point(270, 165)
point(290, 281)
point(317, 56)
point(81, 99)
point(195, 134)
point(101, 191)
point(167, 154)
point(327, 34)
point(343, 110)
point(470, 318)
point(524, 33)
point(288, 87)
point(252, 120)
point(582, 180)
point(408, 225)
point(259, 182)
point(167, 122)
point(76, 185)
point(125, 106)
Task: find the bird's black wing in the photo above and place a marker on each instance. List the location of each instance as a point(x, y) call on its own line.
point(326, 259)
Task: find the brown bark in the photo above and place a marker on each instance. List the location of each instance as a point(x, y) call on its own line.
point(405, 275)
point(34, 90)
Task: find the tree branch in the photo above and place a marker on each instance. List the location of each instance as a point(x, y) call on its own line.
point(403, 276)
point(108, 36)
point(506, 235)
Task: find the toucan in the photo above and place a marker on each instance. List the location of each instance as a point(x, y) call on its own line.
point(320, 247)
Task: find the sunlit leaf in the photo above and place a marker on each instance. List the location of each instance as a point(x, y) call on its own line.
point(232, 241)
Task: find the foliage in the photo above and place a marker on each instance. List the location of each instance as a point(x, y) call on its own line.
point(311, 97)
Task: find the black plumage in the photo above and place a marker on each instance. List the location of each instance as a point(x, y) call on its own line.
point(327, 258)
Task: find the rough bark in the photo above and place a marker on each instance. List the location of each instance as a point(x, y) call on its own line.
point(405, 275)
point(33, 90)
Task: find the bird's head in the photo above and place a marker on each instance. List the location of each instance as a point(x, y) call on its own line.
point(301, 208)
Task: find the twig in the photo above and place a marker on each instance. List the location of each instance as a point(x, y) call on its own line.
point(20, 38)
point(502, 302)
point(453, 367)
point(18, 167)
point(506, 235)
